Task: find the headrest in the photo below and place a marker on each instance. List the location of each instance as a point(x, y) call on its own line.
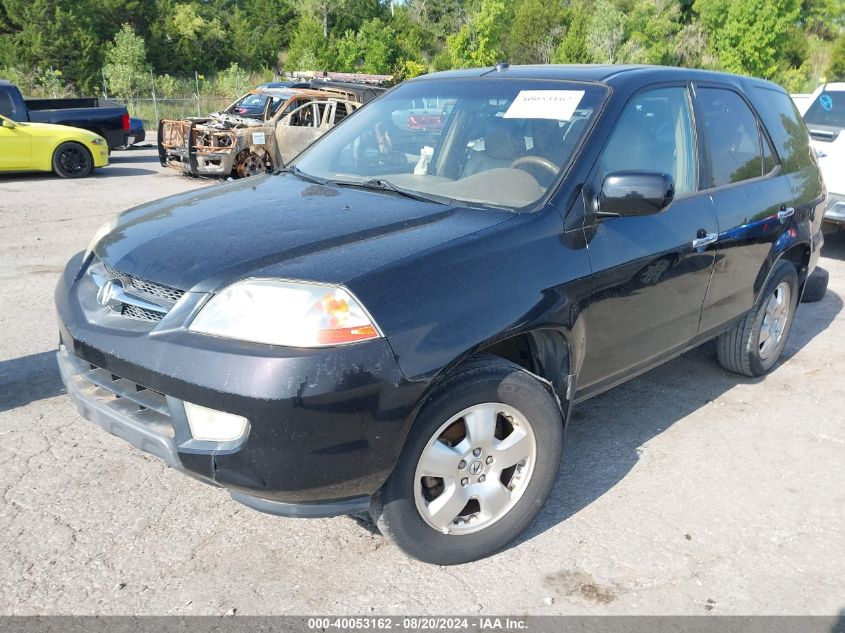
point(504, 139)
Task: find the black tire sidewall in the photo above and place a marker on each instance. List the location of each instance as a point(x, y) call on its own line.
point(815, 287)
point(784, 271)
point(504, 383)
point(57, 165)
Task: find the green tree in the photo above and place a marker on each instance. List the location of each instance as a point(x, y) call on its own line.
point(232, 82)
point(748, 36)
point(43, 34)
point(652, 29)
point(477, 42)
point(836, 70)
point(126, 68)
point(606, 33)
point(536, 29)
point(308, 47)
point(185, 39)
point(573, 48)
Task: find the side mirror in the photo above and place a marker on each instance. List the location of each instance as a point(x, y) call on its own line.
point(7, 122)
point(635, 193)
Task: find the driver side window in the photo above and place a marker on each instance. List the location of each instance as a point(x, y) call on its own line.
point(655, 134)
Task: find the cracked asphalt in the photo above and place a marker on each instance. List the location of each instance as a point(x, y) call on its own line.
point(688, 490)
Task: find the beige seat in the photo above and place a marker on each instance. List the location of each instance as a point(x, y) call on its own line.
point(503, 144)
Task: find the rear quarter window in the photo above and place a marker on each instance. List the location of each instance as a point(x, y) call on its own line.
point(786, 128)
point(828, 110)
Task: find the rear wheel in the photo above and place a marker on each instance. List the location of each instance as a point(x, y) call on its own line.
point(754, 345)
point(72, 160)
point(477, 466)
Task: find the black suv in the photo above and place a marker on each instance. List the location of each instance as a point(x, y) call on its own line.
point(401, 321)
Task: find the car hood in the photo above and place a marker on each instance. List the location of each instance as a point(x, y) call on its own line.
point(51, 129)
point(279, 226)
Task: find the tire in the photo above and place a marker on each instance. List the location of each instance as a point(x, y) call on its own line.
point(815, 286)
point(527, 420)
point(72, 160)
point(250, 164)
point(743, 349)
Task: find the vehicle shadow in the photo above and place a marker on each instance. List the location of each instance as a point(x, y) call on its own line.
point(29, 379)
point(124, 157)
point(112, 170)
point(116, 170)
point(834, 245)
point(606, 433)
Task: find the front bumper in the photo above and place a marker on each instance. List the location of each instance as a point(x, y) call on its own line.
point(178, 149)
point(325, 426)
point(199, 164)
point(100, 153)
point(835, 211)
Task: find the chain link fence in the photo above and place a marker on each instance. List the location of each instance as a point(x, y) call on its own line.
point(151, 110)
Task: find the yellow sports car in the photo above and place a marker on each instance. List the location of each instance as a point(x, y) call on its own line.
point(69, 152)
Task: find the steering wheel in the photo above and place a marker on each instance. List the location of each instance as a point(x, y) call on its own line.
point(536, 160)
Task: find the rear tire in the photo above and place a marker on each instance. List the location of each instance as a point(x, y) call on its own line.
point(488, 413)
point(815, 287)
point(72, 160)
point(754, 345)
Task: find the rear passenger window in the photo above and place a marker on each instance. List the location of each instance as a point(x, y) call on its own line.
point(769, 160)
point(733, 139)
point(785, 127)
point(654, 133)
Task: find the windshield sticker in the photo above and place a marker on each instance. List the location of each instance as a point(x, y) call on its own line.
point(826, 102)
point(258, 138)
point(559, 105)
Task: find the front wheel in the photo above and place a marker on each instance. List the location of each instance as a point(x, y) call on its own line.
point(477, 467)
point(754, 345)
point(72, 160)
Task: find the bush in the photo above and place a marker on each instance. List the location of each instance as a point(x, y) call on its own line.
point(231, 83)
point(836, 70)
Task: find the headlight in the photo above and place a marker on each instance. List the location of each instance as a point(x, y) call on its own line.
point(105, 229)
point(291, 313)
point(98, 141)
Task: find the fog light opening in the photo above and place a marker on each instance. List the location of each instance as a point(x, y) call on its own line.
point(210, 425)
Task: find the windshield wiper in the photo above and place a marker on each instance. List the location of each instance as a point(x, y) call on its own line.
point(379, 184)
point(296, 171)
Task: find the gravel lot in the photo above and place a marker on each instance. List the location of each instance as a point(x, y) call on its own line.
point(688, 490)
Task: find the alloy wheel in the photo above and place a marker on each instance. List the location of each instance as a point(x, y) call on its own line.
point(774, 320)
point(475, 468)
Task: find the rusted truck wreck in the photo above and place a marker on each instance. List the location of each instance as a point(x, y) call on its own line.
point(259, 132)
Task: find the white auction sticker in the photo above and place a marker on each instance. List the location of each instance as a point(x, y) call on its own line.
point(258, 138)
point(559, 105)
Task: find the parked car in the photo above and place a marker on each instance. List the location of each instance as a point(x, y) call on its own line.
point(136, 131)
point(66, 151)
point(404, 330)
point(825, 117)
point(253, 105)
point(104, 118)
point(229, 143)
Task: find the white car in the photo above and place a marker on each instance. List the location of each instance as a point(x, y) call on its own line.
point(825, 118)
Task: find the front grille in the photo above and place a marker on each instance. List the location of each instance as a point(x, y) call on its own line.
point(136, 401)
point(151, 288)
point(136, 312)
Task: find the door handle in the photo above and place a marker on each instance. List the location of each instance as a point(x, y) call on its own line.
point(703, 239)
point(785, 213)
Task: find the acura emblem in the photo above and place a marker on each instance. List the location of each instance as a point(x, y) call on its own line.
point(108, 293)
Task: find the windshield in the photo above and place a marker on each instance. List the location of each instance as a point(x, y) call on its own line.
point(500, 142)
point(828, 109)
